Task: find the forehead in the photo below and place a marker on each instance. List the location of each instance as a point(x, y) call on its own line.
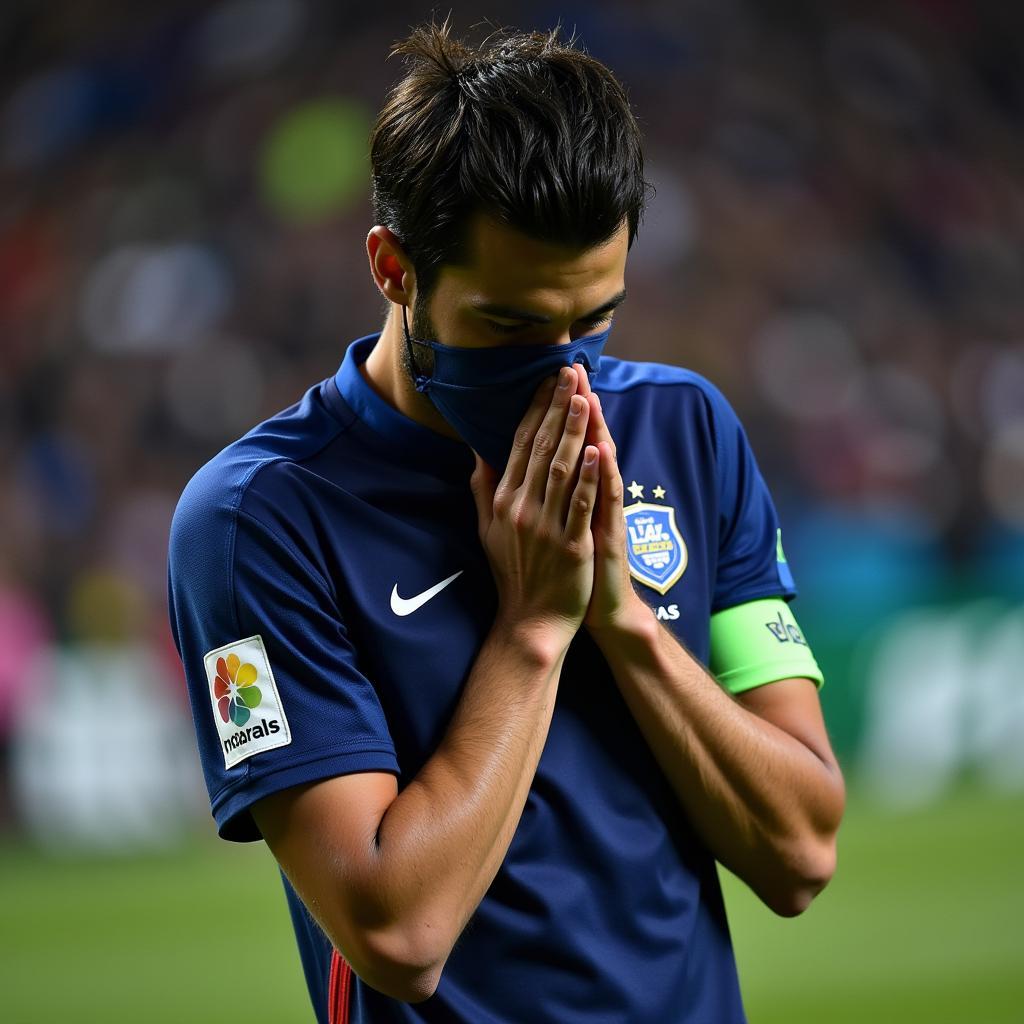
point(507, 266)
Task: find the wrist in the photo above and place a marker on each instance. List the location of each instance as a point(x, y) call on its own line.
point(542, 644)
point(633, 621)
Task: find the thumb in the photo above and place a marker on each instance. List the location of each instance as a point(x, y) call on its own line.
point(483, 483)
point(609, 517)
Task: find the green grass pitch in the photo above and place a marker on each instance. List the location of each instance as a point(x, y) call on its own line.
point(924, 922)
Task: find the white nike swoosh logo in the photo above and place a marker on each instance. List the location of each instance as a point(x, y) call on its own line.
point(407, 605)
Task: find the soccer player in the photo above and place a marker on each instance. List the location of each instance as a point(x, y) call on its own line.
point(488, 636)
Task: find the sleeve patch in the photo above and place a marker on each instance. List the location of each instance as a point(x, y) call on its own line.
point(785, 576)
point(246, 703)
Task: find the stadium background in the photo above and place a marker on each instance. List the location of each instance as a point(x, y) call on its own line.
point(837, 240)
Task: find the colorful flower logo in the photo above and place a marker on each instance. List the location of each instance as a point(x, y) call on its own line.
point(234, 690)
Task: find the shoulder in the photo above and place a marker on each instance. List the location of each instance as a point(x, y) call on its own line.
point(686, 391)
point(252, 474)
point(621, 375)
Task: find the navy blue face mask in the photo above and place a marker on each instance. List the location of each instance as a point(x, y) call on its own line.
point(483, 393)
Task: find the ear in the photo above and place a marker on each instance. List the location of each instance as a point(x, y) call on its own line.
point(391, 268)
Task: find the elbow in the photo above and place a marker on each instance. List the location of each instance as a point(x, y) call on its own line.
point(405, 985)
point(806, 861)
point(402, 982)
point(791, 901)
point(802, 875)
point(398, 963)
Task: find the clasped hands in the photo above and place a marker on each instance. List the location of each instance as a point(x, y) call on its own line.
point(552, 525)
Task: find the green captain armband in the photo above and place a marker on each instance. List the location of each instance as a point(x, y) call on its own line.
point(759, 642)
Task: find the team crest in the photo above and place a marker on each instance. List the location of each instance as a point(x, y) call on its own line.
point(655, 548)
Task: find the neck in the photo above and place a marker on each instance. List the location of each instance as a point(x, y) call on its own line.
point(385, 372)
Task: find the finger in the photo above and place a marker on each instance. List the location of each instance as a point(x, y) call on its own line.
point(584, 378)
point(584, 497)
point(483, 483)
point(548, 436)
point(522, 446)
point(562, 472)
point(597, 430)
point(609, 520)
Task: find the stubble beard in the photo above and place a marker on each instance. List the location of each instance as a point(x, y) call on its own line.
point(421, 360)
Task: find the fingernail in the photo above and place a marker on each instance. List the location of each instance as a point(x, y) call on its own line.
point(563, 378)
point(590, 457)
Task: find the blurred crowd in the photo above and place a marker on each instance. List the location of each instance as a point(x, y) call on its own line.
point(836, 239)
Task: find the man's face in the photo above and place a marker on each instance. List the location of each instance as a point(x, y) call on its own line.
point(518, 291)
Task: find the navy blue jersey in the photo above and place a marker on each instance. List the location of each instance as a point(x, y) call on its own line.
point(295, 557)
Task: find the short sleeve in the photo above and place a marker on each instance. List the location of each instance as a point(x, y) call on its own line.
point(751, 562)
point(276, 692)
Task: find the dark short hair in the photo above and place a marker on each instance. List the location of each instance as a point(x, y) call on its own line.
point(523, 127)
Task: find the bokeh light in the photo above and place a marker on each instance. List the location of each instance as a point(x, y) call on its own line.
point(316, 159)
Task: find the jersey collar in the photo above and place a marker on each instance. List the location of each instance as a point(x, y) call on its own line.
point(405, 440)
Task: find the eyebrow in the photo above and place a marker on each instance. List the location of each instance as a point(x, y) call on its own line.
point(511, 313)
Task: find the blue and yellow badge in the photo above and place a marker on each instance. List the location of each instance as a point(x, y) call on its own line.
point(654, 546)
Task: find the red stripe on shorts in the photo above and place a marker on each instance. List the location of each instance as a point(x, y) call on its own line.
point(337, 990)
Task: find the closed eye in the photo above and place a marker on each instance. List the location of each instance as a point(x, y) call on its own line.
point(605, 319)
point(511, 320)
point(505, 328)
point(588, 325)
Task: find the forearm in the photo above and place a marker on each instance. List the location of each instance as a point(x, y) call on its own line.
point(766, 804)
point(442, 840)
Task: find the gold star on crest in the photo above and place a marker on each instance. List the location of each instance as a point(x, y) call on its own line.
point(659, 492)
point(635, 490)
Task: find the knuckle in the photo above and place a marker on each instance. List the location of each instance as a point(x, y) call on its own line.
point(520, 516)
point(559, 470)
point(581, 504)
point(502, 501)
point(543, 443)
point(523, 440)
